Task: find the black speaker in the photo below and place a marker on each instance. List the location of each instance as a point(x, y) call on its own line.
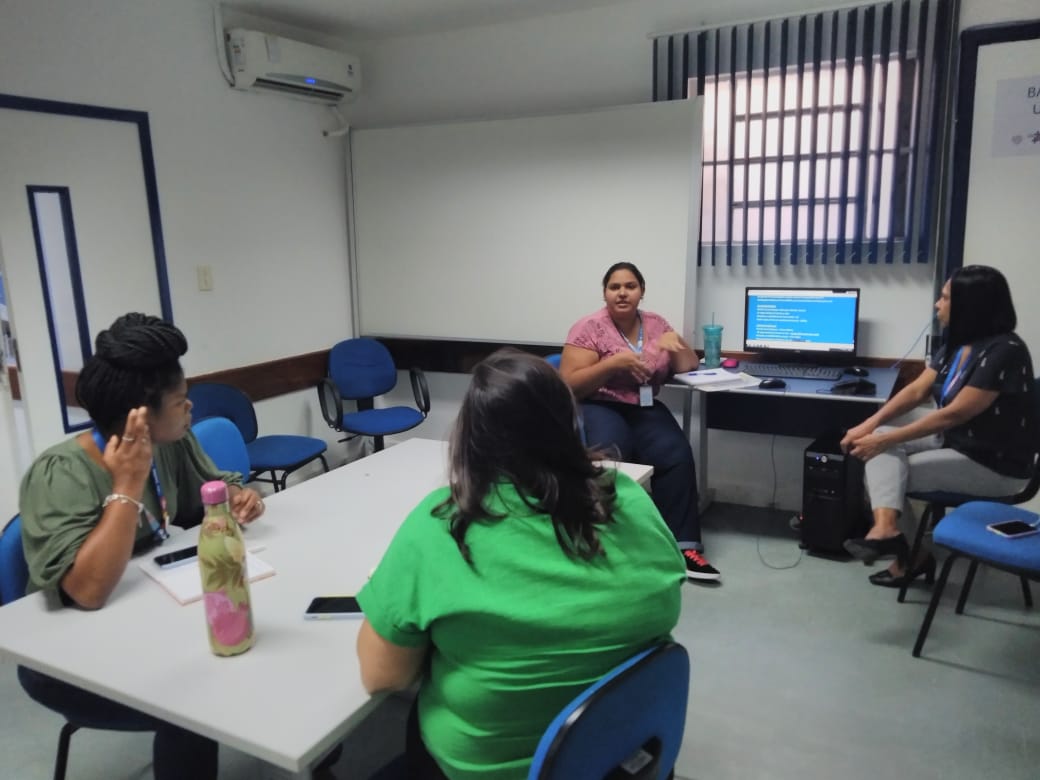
point(832, 496)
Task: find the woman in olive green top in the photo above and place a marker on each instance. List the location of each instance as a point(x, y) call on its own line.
point(89, 503)
point(512, 590)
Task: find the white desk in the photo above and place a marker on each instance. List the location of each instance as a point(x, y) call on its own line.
point(800, 409)
point(298, 691)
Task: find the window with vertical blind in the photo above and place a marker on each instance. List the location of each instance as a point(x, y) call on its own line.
point(821, 139)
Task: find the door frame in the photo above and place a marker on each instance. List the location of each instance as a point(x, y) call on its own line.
point(138, 119)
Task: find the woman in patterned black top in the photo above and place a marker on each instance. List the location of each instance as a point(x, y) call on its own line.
point(981, 435)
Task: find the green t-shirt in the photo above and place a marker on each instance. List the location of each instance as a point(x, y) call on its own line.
point(521, 633)
point(61, 496)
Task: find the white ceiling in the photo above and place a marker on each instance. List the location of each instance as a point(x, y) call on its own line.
point(386, 18)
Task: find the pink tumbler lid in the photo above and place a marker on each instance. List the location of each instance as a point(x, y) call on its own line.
point(214, 492)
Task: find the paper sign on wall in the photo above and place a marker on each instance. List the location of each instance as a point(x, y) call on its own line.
point(1016, 117)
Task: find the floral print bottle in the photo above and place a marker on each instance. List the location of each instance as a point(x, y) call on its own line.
point(225, 583)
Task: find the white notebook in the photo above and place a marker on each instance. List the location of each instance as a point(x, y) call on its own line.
point(184, 582)
point(717, 379)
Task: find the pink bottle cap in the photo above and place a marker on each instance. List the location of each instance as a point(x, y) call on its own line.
point(214, 492)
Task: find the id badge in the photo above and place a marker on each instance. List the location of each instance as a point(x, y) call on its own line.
point(646, 395)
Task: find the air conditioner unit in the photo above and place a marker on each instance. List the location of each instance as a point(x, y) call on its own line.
point(269, 62)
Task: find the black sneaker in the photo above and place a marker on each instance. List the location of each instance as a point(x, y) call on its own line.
point(698, 568)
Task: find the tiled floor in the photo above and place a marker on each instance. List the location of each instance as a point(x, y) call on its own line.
point(799, 673)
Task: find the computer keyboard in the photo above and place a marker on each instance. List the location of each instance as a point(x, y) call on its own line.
point(793, 371)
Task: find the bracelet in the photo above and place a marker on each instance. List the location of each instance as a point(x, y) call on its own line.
point(122, 499)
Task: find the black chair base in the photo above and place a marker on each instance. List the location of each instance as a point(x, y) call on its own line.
point(61, 760)
point(969, 579)
point(280, 483)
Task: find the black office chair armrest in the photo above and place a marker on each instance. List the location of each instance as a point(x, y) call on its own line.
point(420, 390)
point(331, 403)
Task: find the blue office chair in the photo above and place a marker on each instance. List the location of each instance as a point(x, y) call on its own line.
point(635, 715)
point(554, 359)
point(359, 370)
point(14, 573)
point(14, 576)
point(222, 441)
point(940, 501)
point(963, 532)
point(272, 453)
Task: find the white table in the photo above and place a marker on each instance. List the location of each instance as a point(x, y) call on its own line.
point(298, 691)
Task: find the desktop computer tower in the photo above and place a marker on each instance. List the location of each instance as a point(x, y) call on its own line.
point(832, 496)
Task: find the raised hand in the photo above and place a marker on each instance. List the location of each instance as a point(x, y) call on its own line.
point(129, 457)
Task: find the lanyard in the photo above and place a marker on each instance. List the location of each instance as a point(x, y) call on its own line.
point(956, 372)
point(638, 346)
point(158, 530)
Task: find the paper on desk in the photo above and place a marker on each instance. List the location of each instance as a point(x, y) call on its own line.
point(184, 583)
point(713, 379)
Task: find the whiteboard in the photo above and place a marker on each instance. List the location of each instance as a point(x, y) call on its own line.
point(501, 230)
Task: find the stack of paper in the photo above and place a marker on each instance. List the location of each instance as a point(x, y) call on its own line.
point(717, 379)
point(184, 582)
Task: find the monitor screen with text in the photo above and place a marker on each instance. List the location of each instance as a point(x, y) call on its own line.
point(801, 321)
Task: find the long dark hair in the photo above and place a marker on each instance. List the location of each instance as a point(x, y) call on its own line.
point(980, 306)
point(519, 423)
point(135, 362)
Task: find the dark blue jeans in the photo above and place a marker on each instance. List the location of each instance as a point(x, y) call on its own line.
point(177, 754)
point(650, 435)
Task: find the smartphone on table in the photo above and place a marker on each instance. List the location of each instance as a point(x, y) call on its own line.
point(177, 557)
point(333, 607)
point(1013, 529)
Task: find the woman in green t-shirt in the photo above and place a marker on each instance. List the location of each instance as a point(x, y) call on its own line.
point(89, 503)
point(510, 591)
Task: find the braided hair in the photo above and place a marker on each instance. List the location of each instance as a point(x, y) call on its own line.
point(134, 363)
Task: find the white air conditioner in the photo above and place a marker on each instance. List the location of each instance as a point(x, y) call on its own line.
point(269, 62)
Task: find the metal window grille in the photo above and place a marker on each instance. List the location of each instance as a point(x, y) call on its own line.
point(819, 140)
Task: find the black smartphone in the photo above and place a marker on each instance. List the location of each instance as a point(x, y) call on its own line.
point(1013, 528)
point(177, 557)
point(328, 607)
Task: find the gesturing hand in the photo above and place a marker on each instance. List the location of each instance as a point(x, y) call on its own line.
point(246, 504)
point(129, 457)
point(633, 364)
point(670, 342)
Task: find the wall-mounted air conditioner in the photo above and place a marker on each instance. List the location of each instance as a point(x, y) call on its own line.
point(269, 62)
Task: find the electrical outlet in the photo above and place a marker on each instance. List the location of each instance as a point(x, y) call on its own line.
point(205, 277)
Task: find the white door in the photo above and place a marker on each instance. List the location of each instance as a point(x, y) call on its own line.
point(99, 161)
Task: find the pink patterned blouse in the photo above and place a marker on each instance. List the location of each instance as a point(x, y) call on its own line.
point(597, 332)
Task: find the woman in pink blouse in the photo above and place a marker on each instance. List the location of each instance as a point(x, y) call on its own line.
point(615, 360)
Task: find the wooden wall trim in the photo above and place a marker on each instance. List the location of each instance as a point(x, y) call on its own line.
point(274, 377)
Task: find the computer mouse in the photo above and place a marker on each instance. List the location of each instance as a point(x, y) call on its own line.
point(730, 363)
point(772, 383)
point(857, 371)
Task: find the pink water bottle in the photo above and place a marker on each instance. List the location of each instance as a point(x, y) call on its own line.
point(225, 581)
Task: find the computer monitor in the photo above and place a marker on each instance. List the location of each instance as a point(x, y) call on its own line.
point(802, 323)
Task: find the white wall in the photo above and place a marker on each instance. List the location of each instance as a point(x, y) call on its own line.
point(603, 57)
point(246, 183)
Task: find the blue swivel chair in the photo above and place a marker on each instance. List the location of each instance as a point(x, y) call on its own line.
point(939, 501)
point(14, 576)
point(964, 534)
point(634, 715)
point(554, 359)
point(267, 454)
point(359, 370)
point(222, 441)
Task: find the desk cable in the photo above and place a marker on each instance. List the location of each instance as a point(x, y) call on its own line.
point(926, 327)
point(772, 504)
